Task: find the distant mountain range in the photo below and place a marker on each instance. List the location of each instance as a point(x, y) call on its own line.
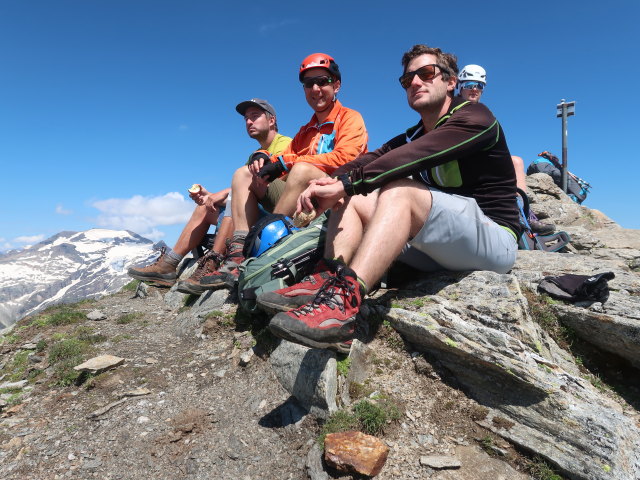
point(68, 267)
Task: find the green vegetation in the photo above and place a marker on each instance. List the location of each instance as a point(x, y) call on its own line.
point(17, 368)
point(65, 355)
point(541, 309)
point(132, 286)
point(450, 342)
point(9, 339)
point(343, 366)
point(488, 445)
point(366, 416)
point(540, 470)
point(59, 315)
point(128, 318)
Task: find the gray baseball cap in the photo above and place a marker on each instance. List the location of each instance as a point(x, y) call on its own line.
point(241, 108)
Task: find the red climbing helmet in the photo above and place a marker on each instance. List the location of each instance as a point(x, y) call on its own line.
point(320, 60)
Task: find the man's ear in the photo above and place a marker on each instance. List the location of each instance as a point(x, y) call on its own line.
point(451, 83)
point(272, 121)
point(336, 87)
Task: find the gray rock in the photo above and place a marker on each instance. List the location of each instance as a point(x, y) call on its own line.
point(440, 461)
point(18, 384)
point(535, 403)
point(313, 466)
point(96, 315)
point(189, 322)
point(307, 374)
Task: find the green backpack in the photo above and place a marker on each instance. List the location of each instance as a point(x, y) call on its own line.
point(285, 263)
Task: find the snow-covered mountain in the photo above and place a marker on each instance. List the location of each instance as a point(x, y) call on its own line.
point(68, 267)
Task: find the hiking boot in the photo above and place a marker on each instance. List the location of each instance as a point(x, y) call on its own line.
point(228, 273)
point(327, 322)
point(542, 228)
point(297, 295)
point(207, 264)
point(161, 271)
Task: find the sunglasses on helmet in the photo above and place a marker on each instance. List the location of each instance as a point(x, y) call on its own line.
point(425, 73)
point(321, 81)
point(470, 85)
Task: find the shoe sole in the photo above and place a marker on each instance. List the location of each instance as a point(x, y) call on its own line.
point(307, 342)
point(190, 288)
point(160, 281)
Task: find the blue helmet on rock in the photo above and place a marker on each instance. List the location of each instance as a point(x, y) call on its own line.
point(270, 234)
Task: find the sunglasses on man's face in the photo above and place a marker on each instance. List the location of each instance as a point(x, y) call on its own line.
point(425, 73)
point(321, 81)
point(472, 85)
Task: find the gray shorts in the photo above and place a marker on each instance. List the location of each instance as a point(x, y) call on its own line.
point(458, 236)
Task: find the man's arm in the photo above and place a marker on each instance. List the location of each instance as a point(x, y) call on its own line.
point(468, 130)
point(350, 141)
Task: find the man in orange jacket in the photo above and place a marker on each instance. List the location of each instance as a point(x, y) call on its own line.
point(335, 135)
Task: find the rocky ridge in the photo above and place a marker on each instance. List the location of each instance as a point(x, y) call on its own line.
point(487, 374)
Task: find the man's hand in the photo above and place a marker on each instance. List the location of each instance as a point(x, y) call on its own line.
point(199, 196)
point(321, 194)
point(271, 171)
point(257, 160)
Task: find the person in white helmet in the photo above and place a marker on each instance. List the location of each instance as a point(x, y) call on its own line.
point(472, 80)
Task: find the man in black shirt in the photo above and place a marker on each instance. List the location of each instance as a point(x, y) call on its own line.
point(440, 196)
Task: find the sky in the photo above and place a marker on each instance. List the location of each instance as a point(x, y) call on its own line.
point(110, 110)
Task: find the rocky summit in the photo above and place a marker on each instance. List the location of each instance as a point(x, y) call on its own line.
point(462, 375)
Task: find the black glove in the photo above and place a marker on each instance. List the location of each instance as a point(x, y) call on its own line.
point(272, 170)
point(578, 287)
point(258, 155)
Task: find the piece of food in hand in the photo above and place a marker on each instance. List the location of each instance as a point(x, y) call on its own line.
point(303, 219)
point(195, 188)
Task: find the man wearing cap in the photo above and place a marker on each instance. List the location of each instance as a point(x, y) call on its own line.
point(334, 136)
point(261, 124)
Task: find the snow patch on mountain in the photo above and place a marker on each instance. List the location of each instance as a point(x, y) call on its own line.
point(68, 267)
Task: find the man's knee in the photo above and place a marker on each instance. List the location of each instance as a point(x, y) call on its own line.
point(242, 176)
point(303, 172)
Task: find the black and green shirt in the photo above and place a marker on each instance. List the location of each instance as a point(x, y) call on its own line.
point(465, 154)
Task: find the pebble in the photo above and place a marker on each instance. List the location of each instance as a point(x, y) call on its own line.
point(143, 419)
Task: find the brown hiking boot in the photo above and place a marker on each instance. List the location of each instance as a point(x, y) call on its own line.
point(228, 273)
point(160, 271)
point(207, 264)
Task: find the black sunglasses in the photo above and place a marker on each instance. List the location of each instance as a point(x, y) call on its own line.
point(321, 81)
point(426, 73)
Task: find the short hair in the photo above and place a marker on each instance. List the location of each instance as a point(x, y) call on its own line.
point(269, 118)
point(448, 60)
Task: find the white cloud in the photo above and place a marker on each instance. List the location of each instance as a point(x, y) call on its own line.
point(142, 214)
point(60, 210)
point(29, 239)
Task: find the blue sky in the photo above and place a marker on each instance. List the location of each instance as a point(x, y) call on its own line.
point(110, 110)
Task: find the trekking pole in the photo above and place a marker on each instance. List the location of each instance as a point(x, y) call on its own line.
point(564, 110)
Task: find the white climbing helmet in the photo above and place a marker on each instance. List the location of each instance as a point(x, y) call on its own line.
point(473, 73)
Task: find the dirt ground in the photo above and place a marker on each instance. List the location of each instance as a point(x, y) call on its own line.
point(186, 407)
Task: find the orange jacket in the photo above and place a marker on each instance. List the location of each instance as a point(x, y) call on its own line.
point(342, 135)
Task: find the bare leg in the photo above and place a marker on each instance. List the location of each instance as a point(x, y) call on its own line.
point(195, 230)
point(401, 210)
point(222, 234)
point(297, 182)
point(244, 199)
point(518, 165)
point(347, 225)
